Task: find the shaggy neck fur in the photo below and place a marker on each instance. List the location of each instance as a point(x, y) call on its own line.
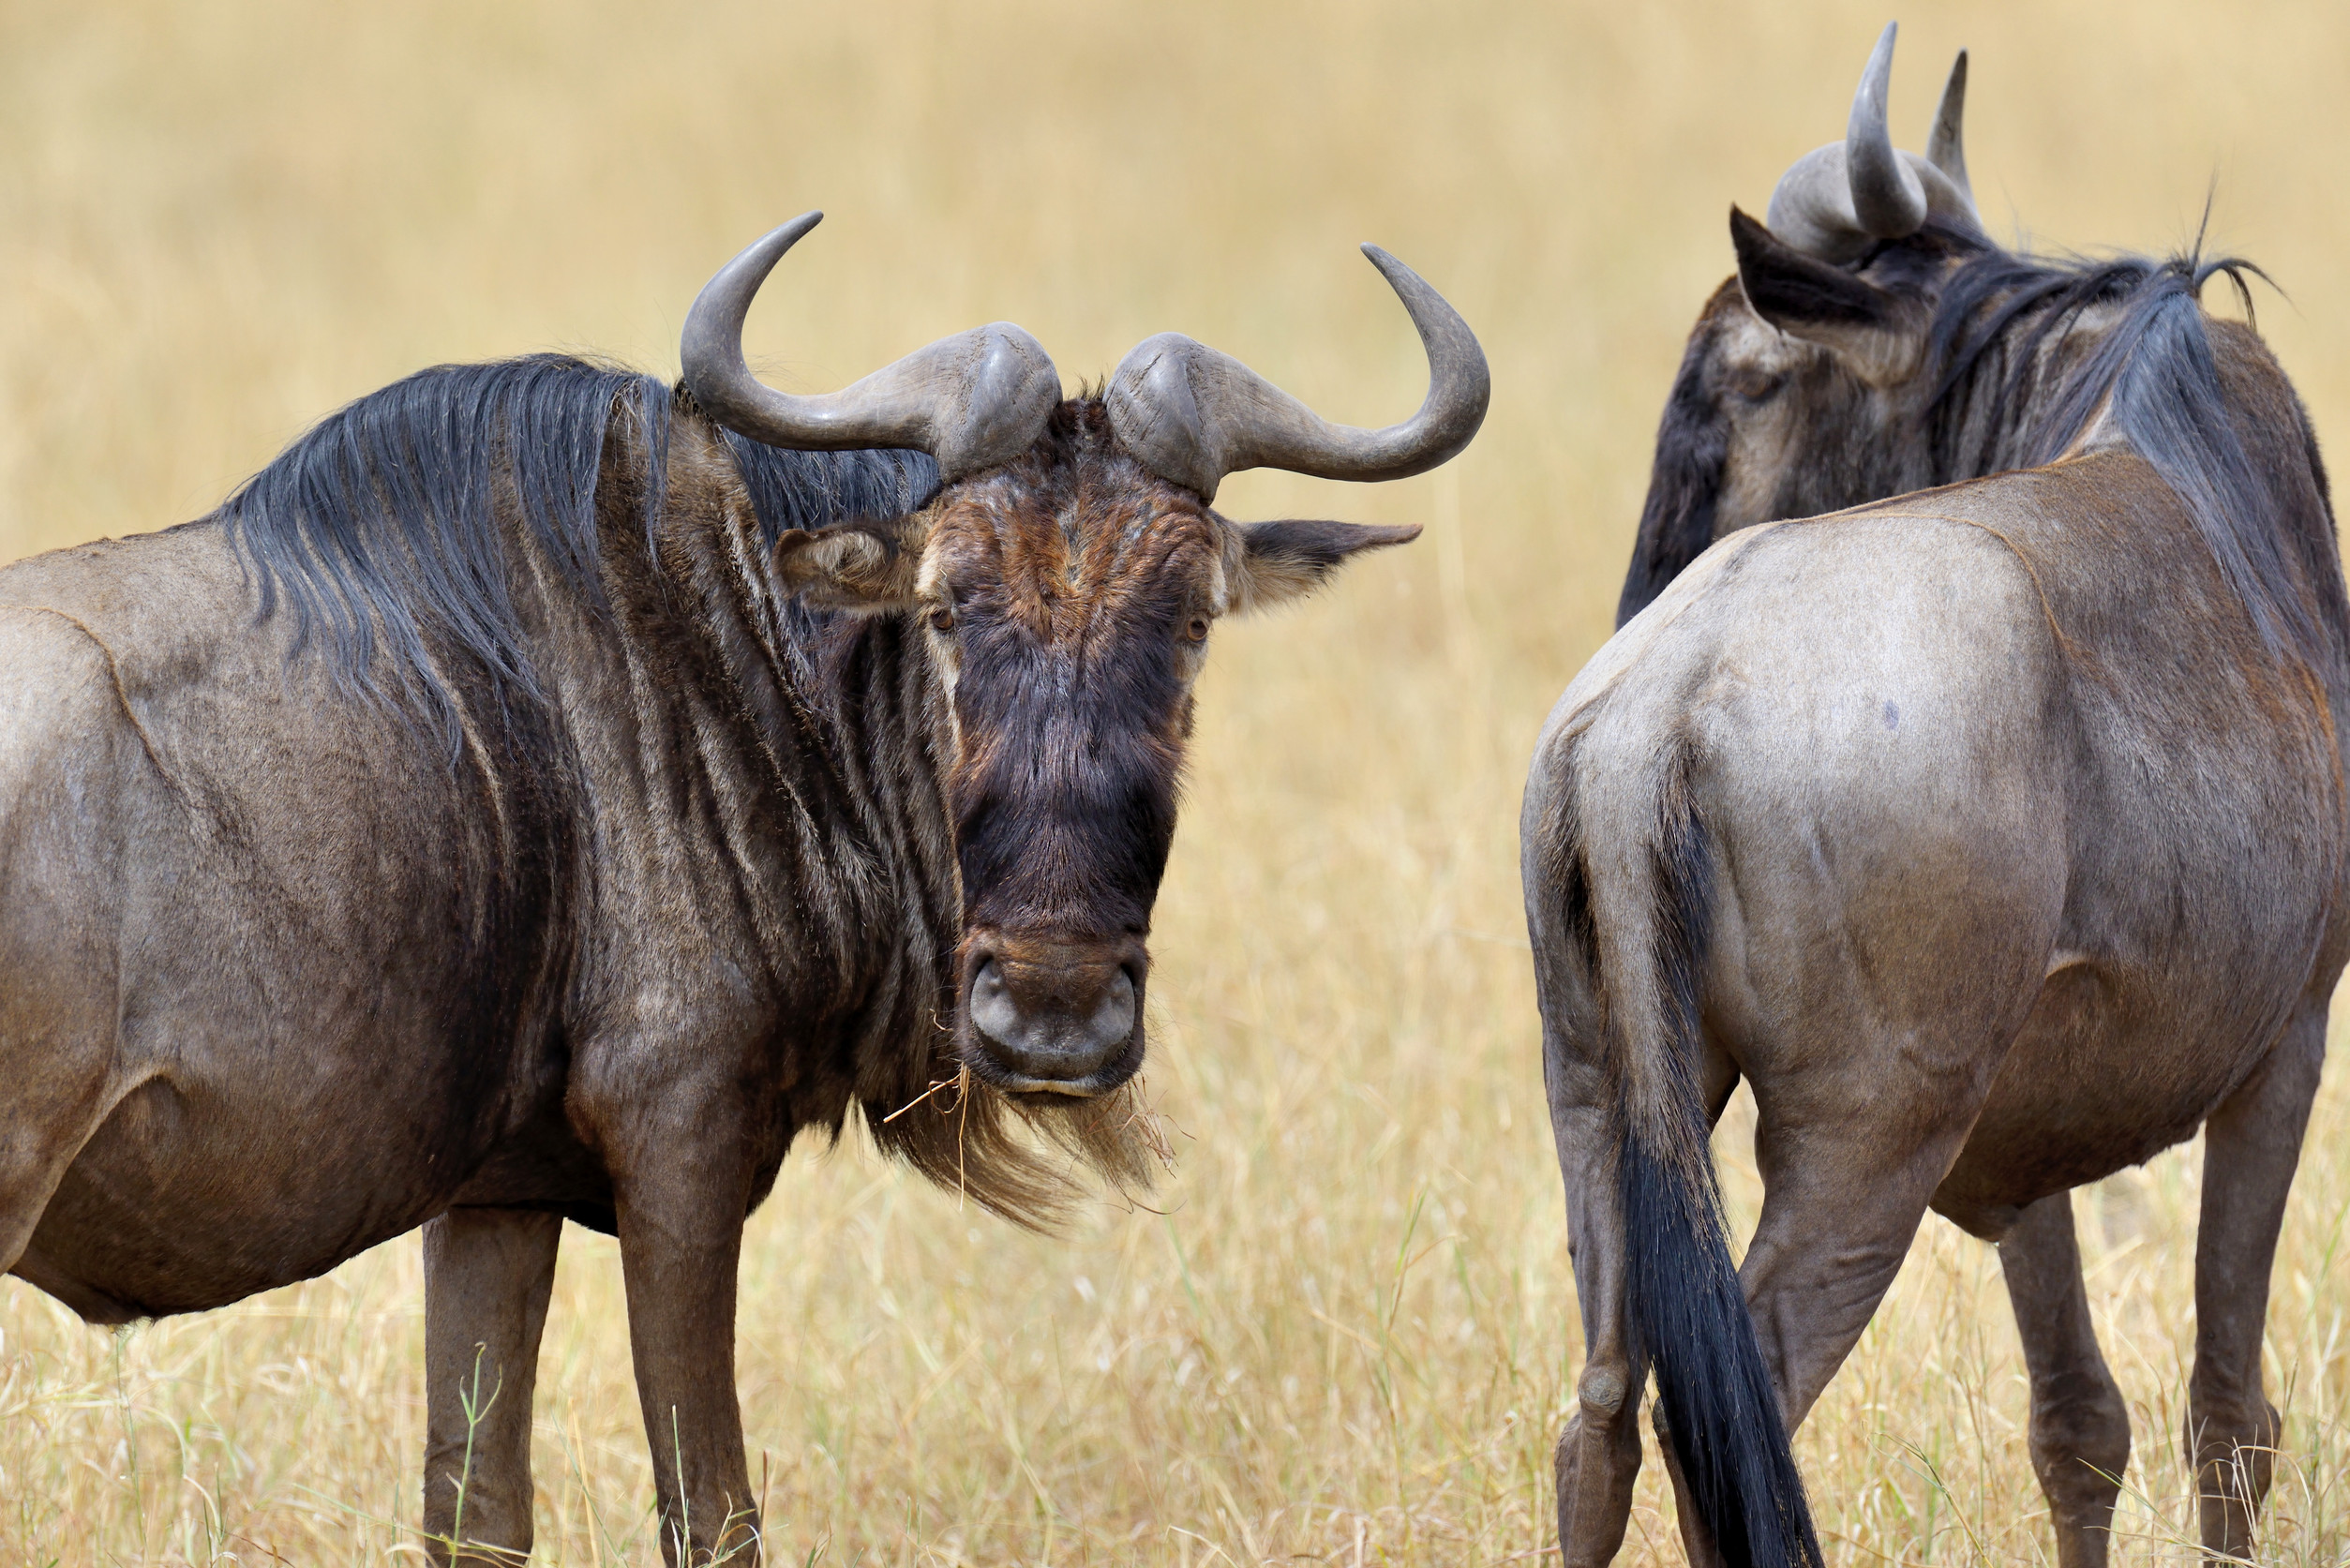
point(562, 575)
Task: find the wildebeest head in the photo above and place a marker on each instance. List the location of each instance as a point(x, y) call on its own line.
point(1065, 582)
point(1805, 385)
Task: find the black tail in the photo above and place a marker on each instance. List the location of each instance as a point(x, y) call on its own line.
point(1685, 1305)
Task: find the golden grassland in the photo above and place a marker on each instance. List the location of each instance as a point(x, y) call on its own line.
point(1349, 1335)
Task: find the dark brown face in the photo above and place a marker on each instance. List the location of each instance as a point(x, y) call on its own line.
point(1071, 616)
point(1801, 391)
point(1066, 600)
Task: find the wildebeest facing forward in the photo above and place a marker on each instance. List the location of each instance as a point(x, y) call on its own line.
point(537, 795)
point(1995, 835)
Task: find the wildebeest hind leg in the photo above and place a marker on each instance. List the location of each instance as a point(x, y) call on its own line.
point(1842, 1196)
point(2251, 1146)
point(1599, 1453)
point(1697, 1541)
point(488, 1274)
point(2080, 1428)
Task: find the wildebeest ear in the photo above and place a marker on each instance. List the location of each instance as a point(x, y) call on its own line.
point(1279, 561)
point(851, 566)
point(1825, 304)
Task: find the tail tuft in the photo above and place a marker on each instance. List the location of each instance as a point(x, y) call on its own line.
point(1720, 1409)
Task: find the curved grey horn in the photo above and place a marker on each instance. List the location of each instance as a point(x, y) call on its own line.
point(1191, 414)
point(1946, 148)
point(1839, 200)
point(1887, 198)
point(973, 400)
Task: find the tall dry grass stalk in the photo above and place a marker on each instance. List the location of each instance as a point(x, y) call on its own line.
point(1349, 1337)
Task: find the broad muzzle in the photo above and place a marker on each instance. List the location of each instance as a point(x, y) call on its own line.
point(1053, 1017)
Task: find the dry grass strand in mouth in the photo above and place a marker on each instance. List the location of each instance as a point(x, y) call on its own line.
point(218, 225)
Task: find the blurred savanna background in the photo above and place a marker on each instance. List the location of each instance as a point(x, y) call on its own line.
point(1344, 1328)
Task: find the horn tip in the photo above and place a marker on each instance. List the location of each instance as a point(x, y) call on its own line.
point(785, 235)
point(1880, 59)
point(1390, 268)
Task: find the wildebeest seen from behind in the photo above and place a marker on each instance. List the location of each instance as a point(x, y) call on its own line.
point(1994, 834)
point(538, 794)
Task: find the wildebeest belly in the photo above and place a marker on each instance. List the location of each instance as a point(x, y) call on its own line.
point(310, 956)
point(2098, 1079)
point(190, 1197)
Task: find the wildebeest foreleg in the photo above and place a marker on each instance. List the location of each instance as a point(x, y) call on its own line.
point(2251, 1146)
point(2080, 1428)
point(680, 1231)
point(487, 1273)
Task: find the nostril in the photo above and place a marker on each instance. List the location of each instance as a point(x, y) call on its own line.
point(993, 1011)
point(1114, 1015)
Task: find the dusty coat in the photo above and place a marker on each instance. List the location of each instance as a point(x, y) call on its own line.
point(1997, 834)
point(305, 970)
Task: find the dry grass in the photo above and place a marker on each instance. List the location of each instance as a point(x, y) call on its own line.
point(1348, 1338)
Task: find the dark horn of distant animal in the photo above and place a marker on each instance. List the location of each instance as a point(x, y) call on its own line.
point(1887, 198)
point(1994, 834)
point(1946, 147)
point(1838, 200)
point(543, 794)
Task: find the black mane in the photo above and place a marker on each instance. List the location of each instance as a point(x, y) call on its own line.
point(2152, 374)
point(2009, 394)
point(380, 525)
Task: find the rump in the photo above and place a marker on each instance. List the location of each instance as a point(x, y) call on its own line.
point(1874, 718)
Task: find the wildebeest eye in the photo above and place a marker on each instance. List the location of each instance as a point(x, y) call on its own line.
point(942, 620)
point(1754, 386)
point(1197, 631)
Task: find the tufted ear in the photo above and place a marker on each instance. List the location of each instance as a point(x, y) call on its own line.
point(863, 568)
point(1285, 561)
point(1879, 332)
